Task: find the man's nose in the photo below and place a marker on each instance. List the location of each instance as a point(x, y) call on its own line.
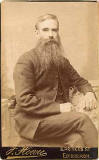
point(50, 35)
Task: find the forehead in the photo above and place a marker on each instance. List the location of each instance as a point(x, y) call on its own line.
point(48, 23)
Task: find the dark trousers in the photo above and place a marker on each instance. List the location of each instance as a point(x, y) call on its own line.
point(73, 129)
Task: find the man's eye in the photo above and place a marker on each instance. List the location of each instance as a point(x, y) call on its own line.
point(45, 29)
point(55, 30)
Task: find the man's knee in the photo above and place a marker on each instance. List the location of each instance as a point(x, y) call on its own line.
point(74, 140)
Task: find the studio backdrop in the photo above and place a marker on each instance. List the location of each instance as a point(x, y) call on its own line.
point(78, 32)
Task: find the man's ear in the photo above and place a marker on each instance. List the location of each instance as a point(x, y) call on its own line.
point(37, 33)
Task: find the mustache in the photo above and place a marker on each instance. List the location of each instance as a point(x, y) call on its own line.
point(49, 41)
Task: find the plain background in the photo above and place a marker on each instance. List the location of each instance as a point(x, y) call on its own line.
point(78, 32)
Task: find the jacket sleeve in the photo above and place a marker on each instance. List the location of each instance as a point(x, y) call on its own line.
point(76, 80)
point(24, 80)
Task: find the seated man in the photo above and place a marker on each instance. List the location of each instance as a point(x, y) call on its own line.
point(42, 80)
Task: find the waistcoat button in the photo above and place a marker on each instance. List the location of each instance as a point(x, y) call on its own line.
point(56, 76)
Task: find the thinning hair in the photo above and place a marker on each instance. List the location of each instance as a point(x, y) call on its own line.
point(45, 17)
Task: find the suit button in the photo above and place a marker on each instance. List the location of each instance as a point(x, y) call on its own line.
point(54, 89)
point(56, 76)
point(60, 93)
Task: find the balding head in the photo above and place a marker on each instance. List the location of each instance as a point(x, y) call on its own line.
point(46, 17)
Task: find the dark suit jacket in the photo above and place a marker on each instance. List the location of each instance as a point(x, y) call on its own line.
point(39, 91)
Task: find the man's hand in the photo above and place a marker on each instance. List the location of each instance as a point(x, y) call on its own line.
point(88, 102)
point(66, 107)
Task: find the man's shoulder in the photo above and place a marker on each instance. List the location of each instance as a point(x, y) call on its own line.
point(27, 56)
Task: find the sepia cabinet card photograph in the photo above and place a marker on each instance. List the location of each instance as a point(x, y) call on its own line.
point(49, 79)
